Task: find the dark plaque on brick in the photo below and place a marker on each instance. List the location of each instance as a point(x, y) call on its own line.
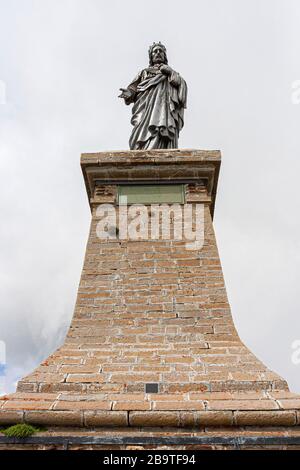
point(151, 388)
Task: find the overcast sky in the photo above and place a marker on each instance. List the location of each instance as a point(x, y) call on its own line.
point(61, 65)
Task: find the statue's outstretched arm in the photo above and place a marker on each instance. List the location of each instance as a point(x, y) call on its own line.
point(130, 92)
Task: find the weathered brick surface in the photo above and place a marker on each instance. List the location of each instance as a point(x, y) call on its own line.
point(152, 311)
point(104, 418)
point(154, 418)
point(54, 418)
point(11, 417)
point(265, 418)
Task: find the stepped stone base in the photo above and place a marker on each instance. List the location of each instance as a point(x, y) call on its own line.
point(152, 311)
point(191, 410)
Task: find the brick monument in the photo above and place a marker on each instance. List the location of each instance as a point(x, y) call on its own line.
point(152, 352)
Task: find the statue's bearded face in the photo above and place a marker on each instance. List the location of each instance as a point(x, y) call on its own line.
point(158, 55)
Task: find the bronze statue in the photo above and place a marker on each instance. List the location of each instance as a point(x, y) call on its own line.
point(159, 95)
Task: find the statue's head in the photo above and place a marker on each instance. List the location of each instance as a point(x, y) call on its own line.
point(157, 54)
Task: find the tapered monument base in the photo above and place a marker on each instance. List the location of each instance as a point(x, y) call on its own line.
point(152, 342)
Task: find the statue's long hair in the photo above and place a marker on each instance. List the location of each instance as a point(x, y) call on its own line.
point(151, 49)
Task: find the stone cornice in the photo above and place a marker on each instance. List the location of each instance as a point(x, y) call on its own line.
point(153, 166)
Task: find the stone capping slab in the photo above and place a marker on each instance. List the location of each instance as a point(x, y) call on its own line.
point(238, 439)
point(151, 165)
point(152, 410)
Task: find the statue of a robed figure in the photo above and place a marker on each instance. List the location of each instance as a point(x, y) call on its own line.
point(159, 95)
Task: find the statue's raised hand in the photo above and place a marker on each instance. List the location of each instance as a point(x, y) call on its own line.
point(126, 94)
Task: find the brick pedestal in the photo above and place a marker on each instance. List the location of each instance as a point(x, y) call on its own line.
point(152, 311)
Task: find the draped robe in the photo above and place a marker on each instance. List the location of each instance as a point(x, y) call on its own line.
point(158, 109)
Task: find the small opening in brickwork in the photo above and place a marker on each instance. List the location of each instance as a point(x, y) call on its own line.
point(151, 388)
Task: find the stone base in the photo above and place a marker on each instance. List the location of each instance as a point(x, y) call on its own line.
point(151, 311)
